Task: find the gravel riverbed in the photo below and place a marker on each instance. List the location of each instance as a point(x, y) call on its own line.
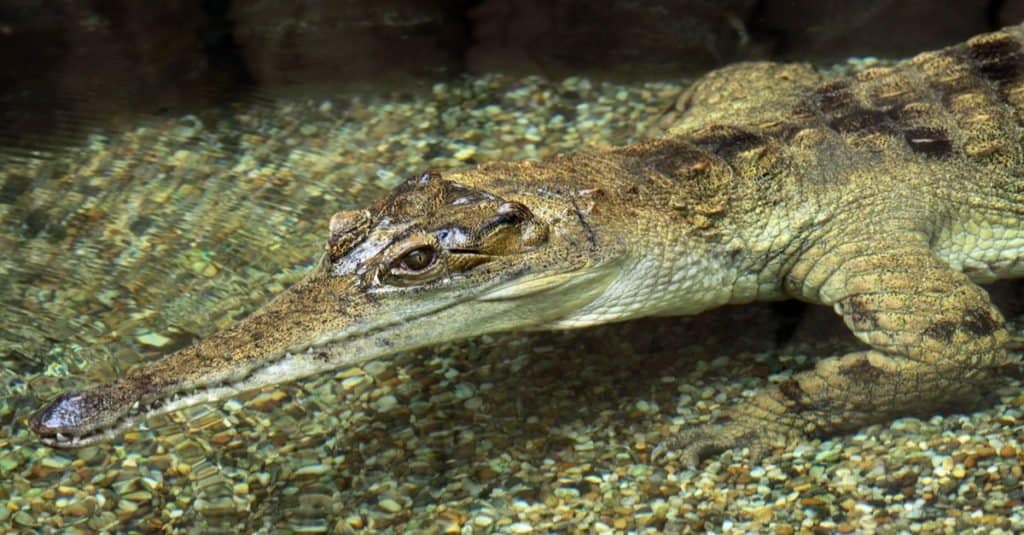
point(130, 244)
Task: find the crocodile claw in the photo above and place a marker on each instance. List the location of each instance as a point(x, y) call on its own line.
point(698, 443)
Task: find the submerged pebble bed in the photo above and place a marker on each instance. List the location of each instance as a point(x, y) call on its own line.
point(131, 244)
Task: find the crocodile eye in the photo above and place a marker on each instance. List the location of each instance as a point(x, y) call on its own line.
point(418, 259)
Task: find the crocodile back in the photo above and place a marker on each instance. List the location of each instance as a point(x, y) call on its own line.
point(958, 110)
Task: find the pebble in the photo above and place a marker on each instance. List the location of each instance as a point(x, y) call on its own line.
point(139, 496)
point(266, 401)
point(375, 367)
point(80, 508)
point(153, 339)
point(350, 383)
point(8, 463)
point(385, 403)
point(127, 506)
point(465, 153)
point(312, 470)
point(390, 505)
point(153, 482)
point(23, 518)
point(54, 462)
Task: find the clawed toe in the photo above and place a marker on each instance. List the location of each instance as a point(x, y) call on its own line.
point(698, 443)
point(692, 446)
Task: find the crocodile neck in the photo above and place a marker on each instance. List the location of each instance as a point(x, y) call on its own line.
point(697, 220)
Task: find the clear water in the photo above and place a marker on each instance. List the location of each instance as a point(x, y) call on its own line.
point(134, 220)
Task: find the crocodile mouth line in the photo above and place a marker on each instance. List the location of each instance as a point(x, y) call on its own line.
point(141, 411)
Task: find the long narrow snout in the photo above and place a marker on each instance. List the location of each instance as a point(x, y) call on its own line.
point(274, 344)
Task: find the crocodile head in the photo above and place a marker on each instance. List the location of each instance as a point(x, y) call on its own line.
point(435, 260)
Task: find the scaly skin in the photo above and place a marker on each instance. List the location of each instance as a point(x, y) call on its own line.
point(887, 196)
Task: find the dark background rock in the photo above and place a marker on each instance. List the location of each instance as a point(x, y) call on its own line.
point(829, 30)
point(76, 65)
point(1008, 12)
point(565, 37)
point(361, 43)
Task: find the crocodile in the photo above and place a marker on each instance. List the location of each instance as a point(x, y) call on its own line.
point(890, 195)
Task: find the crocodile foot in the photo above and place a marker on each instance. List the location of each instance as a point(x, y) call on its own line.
point(758, 438)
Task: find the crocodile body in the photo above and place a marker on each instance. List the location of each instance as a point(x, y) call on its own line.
point(888, 196)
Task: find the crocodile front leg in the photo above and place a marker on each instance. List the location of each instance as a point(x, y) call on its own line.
point(933, 334)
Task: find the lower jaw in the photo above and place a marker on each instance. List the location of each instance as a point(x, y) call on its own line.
point(282, 370)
